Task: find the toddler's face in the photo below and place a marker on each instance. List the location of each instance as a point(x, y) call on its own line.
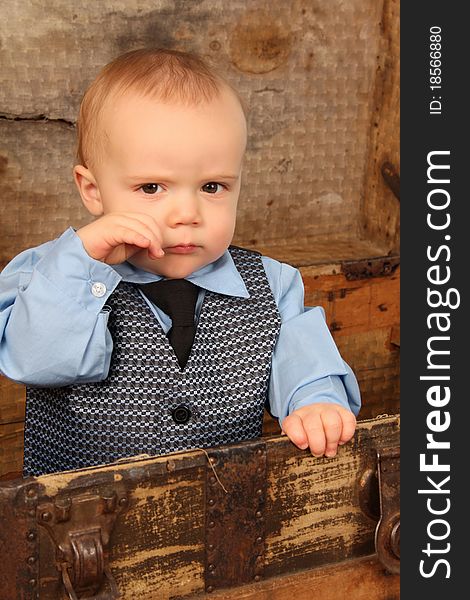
point(182, 166)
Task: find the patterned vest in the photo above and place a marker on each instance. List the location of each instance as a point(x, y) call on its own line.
point(147, 404)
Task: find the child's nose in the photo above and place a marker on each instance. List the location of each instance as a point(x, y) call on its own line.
point(185, 210)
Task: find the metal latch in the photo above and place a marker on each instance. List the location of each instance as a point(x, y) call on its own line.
point(387, 534)
point(384, 482)
point(80, 528)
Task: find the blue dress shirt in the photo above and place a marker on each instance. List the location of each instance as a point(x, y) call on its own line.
point(53, 323)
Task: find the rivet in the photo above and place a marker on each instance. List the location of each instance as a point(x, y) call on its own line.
point(31, 536)
point(212, 480)
point(170, 465)
point(259, 452)
point(213, 461)
point(31, 492)
point(123, 501)
point(259, 514)
point(62, 508)
point(259, 470)
point(109, 501)
point(31, 560)
point(259, 492)
point(211, 567)
point(211, 502)
point(210, 547)
point(32, 582)
point(211, 524)
point(214, 45)
point(46, 516)
point(210, 588)
point(257, 577)
point(259, 540)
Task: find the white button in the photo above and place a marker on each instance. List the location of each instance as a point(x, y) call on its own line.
point(98, 289)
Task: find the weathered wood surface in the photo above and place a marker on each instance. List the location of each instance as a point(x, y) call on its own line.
point(364, 318)
point(381, 208)
point(12, 414)
point(11, 449)
point(311, 511)
point(39, 199)
point(359, 579)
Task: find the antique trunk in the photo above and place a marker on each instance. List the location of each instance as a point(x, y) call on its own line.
point(240, 521)
point(320, 191)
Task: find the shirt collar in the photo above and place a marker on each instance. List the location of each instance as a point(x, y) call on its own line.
point(220, 276)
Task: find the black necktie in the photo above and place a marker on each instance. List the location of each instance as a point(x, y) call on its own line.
point(177, 298)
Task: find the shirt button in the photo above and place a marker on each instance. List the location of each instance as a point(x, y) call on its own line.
point(98, 289)
point(181, 414)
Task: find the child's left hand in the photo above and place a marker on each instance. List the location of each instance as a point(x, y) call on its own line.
point(321, 426)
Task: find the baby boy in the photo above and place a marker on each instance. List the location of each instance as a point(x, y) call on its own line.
point(145, 331)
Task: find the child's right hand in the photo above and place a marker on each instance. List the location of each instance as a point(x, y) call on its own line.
point(115, 237)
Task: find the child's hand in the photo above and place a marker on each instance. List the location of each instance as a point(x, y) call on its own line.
point(115, 237)
point(321, 426)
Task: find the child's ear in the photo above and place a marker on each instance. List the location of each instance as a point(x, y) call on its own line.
point(89, 190)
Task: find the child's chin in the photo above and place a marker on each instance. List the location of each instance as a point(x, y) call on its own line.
point(174, 267)
point(178, 267)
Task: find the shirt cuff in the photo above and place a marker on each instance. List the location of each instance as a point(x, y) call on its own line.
point(71, 271)
point(328, 390)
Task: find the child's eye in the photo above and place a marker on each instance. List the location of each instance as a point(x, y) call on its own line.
point(211, 187)
point(150, 188)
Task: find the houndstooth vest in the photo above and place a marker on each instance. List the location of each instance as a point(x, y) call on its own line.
point(147, 404)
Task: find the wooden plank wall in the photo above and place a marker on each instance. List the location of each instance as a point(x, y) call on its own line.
point(381, 209)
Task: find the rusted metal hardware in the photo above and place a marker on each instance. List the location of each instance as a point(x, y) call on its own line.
point(80, 528)
point(24, 546)
point(387, 534)
point(391, 178)
point(379, 499)
point(235, 518)
point(369, 499)
point(371, 267)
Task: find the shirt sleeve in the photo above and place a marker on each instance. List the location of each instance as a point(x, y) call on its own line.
point(53, 315)
point(307, 367)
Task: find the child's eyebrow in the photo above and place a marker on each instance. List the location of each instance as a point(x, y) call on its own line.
point(162, 178)
point(223, 177)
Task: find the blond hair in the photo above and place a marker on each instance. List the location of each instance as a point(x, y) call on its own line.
point(167, 75)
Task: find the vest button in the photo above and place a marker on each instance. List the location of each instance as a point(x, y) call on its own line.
point(181, 414)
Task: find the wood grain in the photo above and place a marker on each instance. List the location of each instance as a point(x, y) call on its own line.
point(359, 579)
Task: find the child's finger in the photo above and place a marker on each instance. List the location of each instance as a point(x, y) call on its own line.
point(316, 436)
point(292, 426)
point(130, 237)
point(148, 228)
point(349, 426)
point(333, 427)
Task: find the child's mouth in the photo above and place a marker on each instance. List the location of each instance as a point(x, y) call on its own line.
point(181, 249)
